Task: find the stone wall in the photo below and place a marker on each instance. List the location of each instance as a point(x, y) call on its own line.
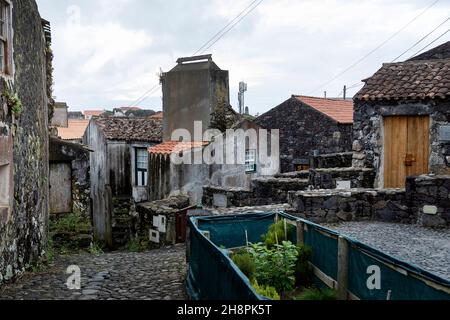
point(332, 160)
point(330, 206)
point(157, 220)
point(263, 191)
point(302, 130)
point(123, 221)
point(429, 199)
point(368, 132)
point(24, 223)
point(330, 178)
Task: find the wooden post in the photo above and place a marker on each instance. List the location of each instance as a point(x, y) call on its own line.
point(342, 277)
point(300, 233)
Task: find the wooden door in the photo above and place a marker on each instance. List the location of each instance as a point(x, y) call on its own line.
point(406, 148)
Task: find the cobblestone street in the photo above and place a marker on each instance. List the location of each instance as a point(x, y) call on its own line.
point(153, 275)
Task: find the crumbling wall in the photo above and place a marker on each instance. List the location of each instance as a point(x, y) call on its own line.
point(23, 232)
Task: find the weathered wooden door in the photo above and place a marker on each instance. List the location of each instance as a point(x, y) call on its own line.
point(60, 188)
point(406, 148)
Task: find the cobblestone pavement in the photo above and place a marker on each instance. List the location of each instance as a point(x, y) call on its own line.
point(153, 275)
point(425, 248)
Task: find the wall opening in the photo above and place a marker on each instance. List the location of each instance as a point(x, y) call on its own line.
point(4, 185)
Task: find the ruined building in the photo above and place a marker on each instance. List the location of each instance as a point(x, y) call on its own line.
point(308, 126)
point(119, 172)
point(24, 119)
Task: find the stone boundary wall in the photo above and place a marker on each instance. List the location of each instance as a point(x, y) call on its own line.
point(333, 160)
point(264, 191)
point(429, 199)
point(328, 178)
point(331, 206)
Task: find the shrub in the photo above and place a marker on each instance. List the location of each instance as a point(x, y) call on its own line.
point(245, 263)
point(317, 295)
point(303, 270)
point(278, 233)
point(266, 291)
point(136, 245)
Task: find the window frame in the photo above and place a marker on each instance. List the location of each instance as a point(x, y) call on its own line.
point(137, 170)
point(6, 38)
point(250, 161)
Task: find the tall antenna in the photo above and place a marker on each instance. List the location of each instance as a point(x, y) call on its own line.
point(241, 96)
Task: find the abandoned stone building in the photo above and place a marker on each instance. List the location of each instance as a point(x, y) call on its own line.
point(197, 90)
point(402, 119)
point(308, 126)
point(119, 172)
point(24, 129)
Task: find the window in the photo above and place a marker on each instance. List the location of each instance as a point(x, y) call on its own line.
point(141, 166)
point(5, 36)
point(250, 161)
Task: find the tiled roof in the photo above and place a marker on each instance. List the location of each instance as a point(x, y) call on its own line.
point(159, 115)
point(74, 131)
point(440, 52)
point(93, 113)
point(170, 147)
point(420, 79)
point(339, 110)
point(130, 129)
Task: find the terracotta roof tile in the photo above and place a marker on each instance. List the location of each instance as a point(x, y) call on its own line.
point(170, 147)
point(93, 113)
point(416, 79)
point(130, 129)
point(339, 110)
point(74, 131)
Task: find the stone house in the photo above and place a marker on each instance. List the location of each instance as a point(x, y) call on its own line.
point(402, 119)
point(24, 129)
point(119, 172)
point(197, 90)
point(308, 126)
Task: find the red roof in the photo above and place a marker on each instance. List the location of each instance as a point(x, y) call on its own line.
point(159, 115)
point(93, 113)
point(170, 147)
point(339, 110)
point(74, 131)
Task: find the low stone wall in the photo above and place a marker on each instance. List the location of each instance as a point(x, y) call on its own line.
point(330, 206)
point(329, 178)
point(264, 191)
point(333, 160)
point(157, 220)
point(429, 199)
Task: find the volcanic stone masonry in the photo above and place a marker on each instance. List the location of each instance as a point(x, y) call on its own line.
point(24, 136)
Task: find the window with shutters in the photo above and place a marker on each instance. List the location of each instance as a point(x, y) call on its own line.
point(5, 37)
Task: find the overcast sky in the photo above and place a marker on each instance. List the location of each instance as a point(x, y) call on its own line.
point(109, 52)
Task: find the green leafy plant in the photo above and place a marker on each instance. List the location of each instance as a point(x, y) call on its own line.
point(278, 232)
point(317, 294)
point(13, 102)
point(137, 245)
point(72, 222)
point(244, 261)
point(95, 249)
point(303, 269)
point(275, 267)
point(266, 291)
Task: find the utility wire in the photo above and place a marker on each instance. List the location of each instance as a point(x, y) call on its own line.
point(224, 28)
point(232, 26)
point(421, 50)
point(211, 42)
point(422, 39)
point(375, 49)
